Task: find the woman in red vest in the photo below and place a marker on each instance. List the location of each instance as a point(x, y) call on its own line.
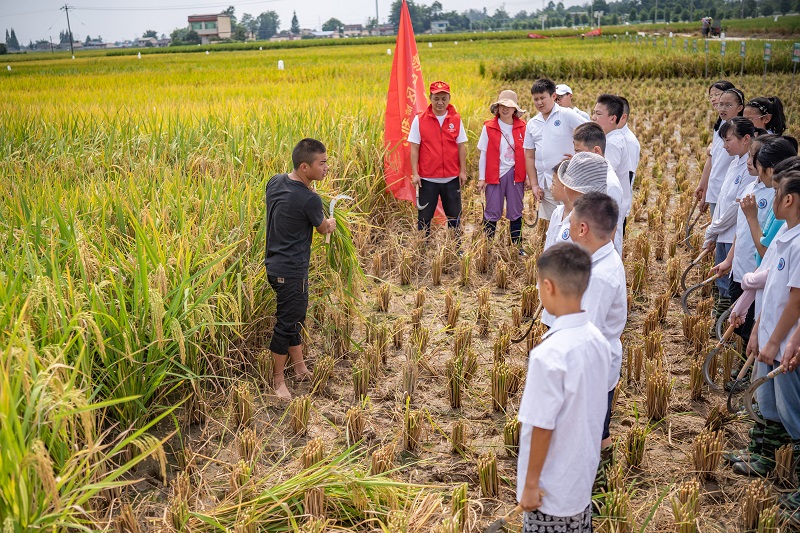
point(502, 166)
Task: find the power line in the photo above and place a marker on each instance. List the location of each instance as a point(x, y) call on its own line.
point(171, 8)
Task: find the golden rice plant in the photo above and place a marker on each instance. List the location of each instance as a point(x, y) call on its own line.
point(615, 506)
point(313, 452)
point(654, 345)
point(672, 248)
point(416, 318)
point(651, 322)
point(372, 356)
point(696, 379)
point(784, 466)
point(382, 459)
point(449, 303)
point(354, 424)
point(360, 379)
point(314, 502)
point(377, 265)
point(755, 500)
point(462, 341)
point(502, 345)
point(436, 268)
point(241, 472)
point(419, 298)
point(265, 363)
point(499, 380)
point(729, 357)
point(657, 394)
point(410, 375)
point(419, 338)
point(484, 319)
point(459, 506)
point(706, 453)
point(482, 256)
point(642, 248)
point(686, 506)
point(639, 277)
point(530, 300)
point(511, 431)
point(397, 334)
point(688, 323)
point(243, 404)
point(516, 377)
point(634, 366)
point(483, 296)
point(299, 410)
point(126, 522)
point(488, 475)
point(382, 297)
point(700, 337)
point(321, 373)
point(405, 269)
point(768, 520)
point(662, 304)
point(470, 365)
point(412, 428)
point(454, 371)
point(718, 417)
point(530, 270)
point(178, 506)
point(635, 444)
point(704, 306)
point(516, 318)
point(453, 314)
point(659, 244)
point(464, 270)
point(246, 444)
point(458, 436)
point(501, 275)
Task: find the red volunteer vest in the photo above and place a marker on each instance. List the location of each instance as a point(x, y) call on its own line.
point(438, 150)
point(493, 150)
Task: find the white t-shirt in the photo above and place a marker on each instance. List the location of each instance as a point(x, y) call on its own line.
point(744, 255)
point(634, 148)
point(414, 137)
point(784, 274)
point(551, 138)
point(619, 158)
point(565, 391)
point(769, 256)
point(557, 231)
point(606, 302)
point(506, 150)
point(720, 161)
point(723, 227)
point(583, 114)
point(614, 190)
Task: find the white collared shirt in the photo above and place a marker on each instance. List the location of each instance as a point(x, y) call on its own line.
point(565, 391)
point(720, 161)
point(551, 138)
point(614, 190)
point(415, 137)
point(634, 148)
point(619, 158)
point(784, 274)
point(744, 254)
point(557, 231)
point(737, 178)
point(606, 302)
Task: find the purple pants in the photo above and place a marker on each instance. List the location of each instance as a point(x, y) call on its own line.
point(508, 189)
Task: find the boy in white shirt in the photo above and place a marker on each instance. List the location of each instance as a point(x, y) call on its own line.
point(634, 147)
point(607, 112)
point(548, 136)
point(564, 99)
point(592, 225)
point(563, 402)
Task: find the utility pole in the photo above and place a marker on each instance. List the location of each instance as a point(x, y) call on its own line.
point(51, 45)
point(376, 15)
point(655, 14)
point(71, 50)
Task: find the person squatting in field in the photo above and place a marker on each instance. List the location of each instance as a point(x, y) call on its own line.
point(293, 211)
point(438, 158)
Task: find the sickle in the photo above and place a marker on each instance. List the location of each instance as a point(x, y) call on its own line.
point(690, 290)
point(721, 320)
point(419, 207)
point(733, 409)
point(710, 357)
point(751, 392)
point(535, 220)
point(334, 200)
point(690, 223)
point(530, 326)
point(691, 266)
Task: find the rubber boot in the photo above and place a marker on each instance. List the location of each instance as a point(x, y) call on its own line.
point(721, 304)
point(489, 228)
point(606, 461)
point(753, 447)
point(762, 463)
point(516, 234)
point(790, 503)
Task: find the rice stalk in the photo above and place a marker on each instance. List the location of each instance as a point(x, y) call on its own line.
point(397, 334)
point(686, 506)
point(484, 319)
point(464, 270)
point(416, 319)
point(463, 340)
point(419, 339)
point(635, 444)
point(483, 296)
point(482, 256)
point(516, 318)
point(265, 363)
point(382, 459)
point(243, 404)
point(639, 277)
point(436, 268)
point(321, 373)
point(755, 500)
point(530, 300)
point(458, 436)
point(240, 475)
point(499, 379)
point(459, 506)
point(360, 380)
point(419, 298)
point(501, 275)
point(452, 315)
point(314, 503)
point(299, 409)
point(126, 522)
point(657, 394)
point(354, 425)
point(488, 475)
point(530, 271)
point(470, 365)
point(768, 520)
point(696, 381)
point(706, 453)
point(382, 296)
point(412, 428)
point(654, 345)
point(454, 371)
point(410, 375)
point(313, 452)
point(246, 445)
point(784, 466)
point(718, 417)
point(405, 269)
point(511, 436)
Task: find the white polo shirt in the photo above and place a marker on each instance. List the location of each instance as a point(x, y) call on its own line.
point(606, 302)
point(744, 255)
point(784, 274)
point(720, 161)
point(551, 138)
point(565, 391)
point(767, 260)
point(557, 231)
point(634, 148)
point(614, 190)
point(619, 158)
point(415, 137)
point(723, 227)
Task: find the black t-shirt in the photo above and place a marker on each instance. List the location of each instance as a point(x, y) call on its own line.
point(293, 211)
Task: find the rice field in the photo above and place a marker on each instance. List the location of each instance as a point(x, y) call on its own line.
point(135, 314)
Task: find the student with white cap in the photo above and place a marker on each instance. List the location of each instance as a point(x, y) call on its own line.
point(564, 99)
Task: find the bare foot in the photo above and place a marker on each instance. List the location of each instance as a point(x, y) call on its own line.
point(281, 391)
point(301, 372)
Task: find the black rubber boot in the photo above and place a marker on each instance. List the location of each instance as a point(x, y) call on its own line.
point(762, 463)
point(606, 462)
point(515, 226)
point(753, 447)
point(489, 228)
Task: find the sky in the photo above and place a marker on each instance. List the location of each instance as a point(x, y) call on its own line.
point(117, 20)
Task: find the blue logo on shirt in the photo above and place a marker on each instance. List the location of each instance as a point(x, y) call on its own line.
point(737, 180)
point(762, 203)
point(565, 235)
point(557, 123)
point(781, 264)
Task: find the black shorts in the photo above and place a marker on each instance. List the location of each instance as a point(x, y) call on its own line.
point(607, 421)
point(745, 329)
point(291, 295)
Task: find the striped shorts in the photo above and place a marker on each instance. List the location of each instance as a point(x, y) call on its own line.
point(538, 522)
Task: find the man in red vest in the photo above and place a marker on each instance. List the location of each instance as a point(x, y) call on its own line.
point(438, 158)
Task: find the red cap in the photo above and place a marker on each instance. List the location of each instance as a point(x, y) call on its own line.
point(440, 87)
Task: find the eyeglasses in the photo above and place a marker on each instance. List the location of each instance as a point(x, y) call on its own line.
point(712, 96)
point(725, 106)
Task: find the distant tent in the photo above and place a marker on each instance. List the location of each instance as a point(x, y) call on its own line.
point(594, 33)
point(536, 36)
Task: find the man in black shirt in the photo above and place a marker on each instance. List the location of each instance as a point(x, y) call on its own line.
point(293, 211)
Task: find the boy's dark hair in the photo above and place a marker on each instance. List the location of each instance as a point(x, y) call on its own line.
point(626, 106)
point(543, 85)
point(771, 105)
point(773, 150)
point(739, 126)
point(568, 266)
point(599, 210)
point(306, 152)
point(613, 104)
point(591, 135)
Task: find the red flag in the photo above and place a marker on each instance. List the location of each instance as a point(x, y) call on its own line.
point(406, 99)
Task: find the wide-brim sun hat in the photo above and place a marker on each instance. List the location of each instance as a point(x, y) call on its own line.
point(507, 98)
point(585, 172)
